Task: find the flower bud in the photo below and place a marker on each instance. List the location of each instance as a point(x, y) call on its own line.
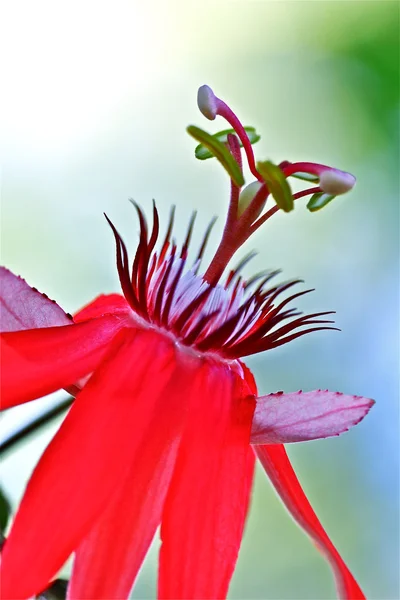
point(207, 102)
point(335, 182)
point(247, 196)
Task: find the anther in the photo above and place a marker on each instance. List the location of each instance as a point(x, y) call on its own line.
point(335, 182)
point(247, 196)
point(207, 102)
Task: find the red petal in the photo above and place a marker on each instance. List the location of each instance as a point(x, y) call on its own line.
point(278, 468)
point(301, 416)
point(103, 305)
point(37, 362)
point(88, 459)
point(108, 560)
point(206, 506)
point(23, 307)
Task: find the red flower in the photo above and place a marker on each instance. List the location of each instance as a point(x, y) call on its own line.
point(166, 423)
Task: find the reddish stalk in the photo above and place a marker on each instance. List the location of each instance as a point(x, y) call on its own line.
point(224, 111)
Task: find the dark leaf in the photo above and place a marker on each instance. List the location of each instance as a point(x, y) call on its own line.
point(56, 591)
point(5, 511)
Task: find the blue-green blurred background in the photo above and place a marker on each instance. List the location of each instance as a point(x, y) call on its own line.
point(96, 99)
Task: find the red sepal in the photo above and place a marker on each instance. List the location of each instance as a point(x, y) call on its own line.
point(105, 304)
point(278, 468)
point(206, 506)
point(107, 430)
point(108, 559)
point(37, 362)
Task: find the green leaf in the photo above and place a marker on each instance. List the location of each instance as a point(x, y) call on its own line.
point(306, 177)
point(318, 201)
point(220, 151)
point(202, 152)
point(5, 510)
point(277, 184)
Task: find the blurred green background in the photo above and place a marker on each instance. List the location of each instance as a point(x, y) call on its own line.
point(97, 97)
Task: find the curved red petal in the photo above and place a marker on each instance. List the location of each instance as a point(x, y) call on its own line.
point(36, 362)
point(108, 559)
point(23, 307)
point(278, 468)
point(206, 506)
point(88, 459)
point(103, 305)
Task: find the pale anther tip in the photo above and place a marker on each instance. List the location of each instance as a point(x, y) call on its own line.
point(335, 182)
point(247, 196)
point(207, 102)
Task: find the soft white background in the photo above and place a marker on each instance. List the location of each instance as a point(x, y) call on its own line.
point(96, 97)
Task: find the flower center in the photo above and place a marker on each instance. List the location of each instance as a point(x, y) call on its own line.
point(236, 318)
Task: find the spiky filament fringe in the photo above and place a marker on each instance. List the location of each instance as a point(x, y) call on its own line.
point(234, 320)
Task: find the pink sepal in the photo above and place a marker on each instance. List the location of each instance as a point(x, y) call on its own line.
point(23, 307)
point(301, 416)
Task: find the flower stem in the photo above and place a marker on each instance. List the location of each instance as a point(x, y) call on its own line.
point(36, 424)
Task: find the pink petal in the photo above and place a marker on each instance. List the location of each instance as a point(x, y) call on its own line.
point(108, 559)
point(300, 416)
point(37, 362)
point(105, 304)
point(278, 468)
point(108, 427)
point(206, 506)
point(23, 307)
